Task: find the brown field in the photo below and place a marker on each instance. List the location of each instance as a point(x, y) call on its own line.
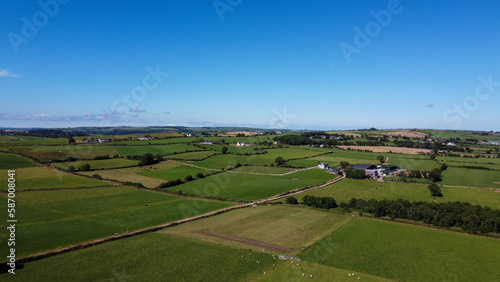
point(234, 133)
point(407, 133)
point(344, 132)
point(385, 149)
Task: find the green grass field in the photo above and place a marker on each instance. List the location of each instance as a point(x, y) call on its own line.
point(292, 272)
point(9, 161)
point(192, 155)
point(174, 173)
point(414, 164)
point(409, 253)
point(149, 257)
point(290, 227)
point(248, 187)
point(44, 178)
point(8, 140)
point(132, 174)
point(74, 216)
point(346, 189)
point(263, 169)
point(98, 164)
point(154, 149)
point(471, 177)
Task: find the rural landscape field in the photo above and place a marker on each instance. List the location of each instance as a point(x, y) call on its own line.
point(233, 140)
point(259, 206)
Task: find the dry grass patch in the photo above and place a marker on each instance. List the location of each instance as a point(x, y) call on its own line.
point(386, 149)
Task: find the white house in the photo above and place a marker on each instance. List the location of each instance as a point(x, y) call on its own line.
point(242, 144)
point(104, 140)
point(323, 166)
point(207, 143)
point(142, 138)
point(190, 135)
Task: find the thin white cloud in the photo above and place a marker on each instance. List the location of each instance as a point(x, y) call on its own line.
point(8, 73)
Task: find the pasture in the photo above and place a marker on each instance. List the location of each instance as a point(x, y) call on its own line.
point(131, 174)
point(46, 178)
point(174, 173)
point(346, 189)
point(16, 140)
point(405, 252)
point(263, 169)
point(9, 161)
point(288, 271)
point(150, 257)
point(471, 177)
point(50, 153)
point(192, 155)
point(414, 164)
point(74, 216)
point(249, 187)
point(293, 228)
point(98, 164)
point(154, 149)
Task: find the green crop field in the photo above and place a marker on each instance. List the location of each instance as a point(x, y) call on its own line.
point(8, 140)
point(292, 272)
point(9, 161)
point(150, 257)
point(409, 253)
point(467, 161)
point(174, 173)
point(154, 149)
point(293, 228)
point(132, 174)
point(248, 187)
point(346, 189)
point(192, 155)
point(414, 164)
point(75, 216)
point(471, 177)
point(44, 178)
point(98, 164)
point(264, 169)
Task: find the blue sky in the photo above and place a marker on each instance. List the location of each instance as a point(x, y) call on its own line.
point(270, 64)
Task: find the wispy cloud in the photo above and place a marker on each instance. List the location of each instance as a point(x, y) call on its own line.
point(8, 73)
point(48, 117)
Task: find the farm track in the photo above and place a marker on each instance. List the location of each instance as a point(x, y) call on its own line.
point(195, 166)
point(84, 245)
point(282, 174)
point(248, 242)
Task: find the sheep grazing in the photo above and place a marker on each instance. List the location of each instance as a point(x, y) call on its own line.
point(303, 274)
point(349, 274)
point(311, 276)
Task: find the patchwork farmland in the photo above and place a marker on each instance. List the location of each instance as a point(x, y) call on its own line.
point(203, 208)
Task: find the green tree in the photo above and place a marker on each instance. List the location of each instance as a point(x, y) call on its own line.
point(435, 190)
point(224, 149)
point(200, 175)
point(188, 178)
point(344, 164)
point(85, 167)
point(71, 168)
point(381, 159)
point(291, 200)
point(435, 175)
point(147, 159)
point(279, 160)
point(71, 140)
point(159, 157)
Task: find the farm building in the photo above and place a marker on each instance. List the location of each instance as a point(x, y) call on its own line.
point(334, 170)
point(491, 143)
point(323, 166)
point(207, 143)
point(364, 166)
point(142, 138)
point(104, 140)
point(242, 144)
point(389, 168)
point(190, 135)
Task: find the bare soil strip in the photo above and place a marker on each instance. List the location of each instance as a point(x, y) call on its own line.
point(249, 242)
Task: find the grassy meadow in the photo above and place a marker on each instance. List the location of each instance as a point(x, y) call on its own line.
point(406, 252)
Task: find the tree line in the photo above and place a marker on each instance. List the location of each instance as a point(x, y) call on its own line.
point(470, 218)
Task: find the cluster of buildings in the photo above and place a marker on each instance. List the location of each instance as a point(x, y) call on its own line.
point(242, 144)
point(497, 143)
point(373, 171)
point(100, 140)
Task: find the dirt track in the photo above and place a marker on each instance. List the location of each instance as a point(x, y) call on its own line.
point(249, 242)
